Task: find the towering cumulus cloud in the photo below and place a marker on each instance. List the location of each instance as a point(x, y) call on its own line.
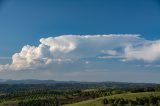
point(68, 48)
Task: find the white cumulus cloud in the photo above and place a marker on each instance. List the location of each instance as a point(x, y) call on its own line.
point(149, 51)
point(67, 48)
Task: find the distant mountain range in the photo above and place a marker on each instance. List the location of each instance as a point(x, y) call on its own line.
point(8, 85)
point(32, 81)
point(36, 81)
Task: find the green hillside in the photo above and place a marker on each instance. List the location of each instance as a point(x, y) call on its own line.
point(87, 94)
point(129, 96)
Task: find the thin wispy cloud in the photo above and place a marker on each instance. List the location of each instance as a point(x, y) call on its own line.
point(5, 58)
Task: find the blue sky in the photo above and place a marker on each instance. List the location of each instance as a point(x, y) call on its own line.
point(24, 22)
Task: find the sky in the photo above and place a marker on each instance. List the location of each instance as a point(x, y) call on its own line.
point(80, 40)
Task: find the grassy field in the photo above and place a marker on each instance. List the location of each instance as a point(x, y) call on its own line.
point(98, 101)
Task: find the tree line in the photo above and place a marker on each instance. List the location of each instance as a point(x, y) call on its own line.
point(143, 101)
